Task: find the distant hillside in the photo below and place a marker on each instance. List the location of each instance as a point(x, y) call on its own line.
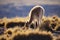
point(9, 10)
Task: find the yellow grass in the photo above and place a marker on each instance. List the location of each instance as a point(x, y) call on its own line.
point(17, 30)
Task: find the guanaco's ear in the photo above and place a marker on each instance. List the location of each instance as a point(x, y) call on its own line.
point(36, 13)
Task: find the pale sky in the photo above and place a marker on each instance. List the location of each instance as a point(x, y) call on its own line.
point(30, 2)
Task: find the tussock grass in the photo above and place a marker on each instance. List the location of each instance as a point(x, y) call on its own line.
point(24, 33)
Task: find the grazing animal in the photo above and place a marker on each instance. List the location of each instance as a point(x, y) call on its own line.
point(35, 16)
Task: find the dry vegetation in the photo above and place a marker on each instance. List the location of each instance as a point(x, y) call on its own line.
point(23, 33)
